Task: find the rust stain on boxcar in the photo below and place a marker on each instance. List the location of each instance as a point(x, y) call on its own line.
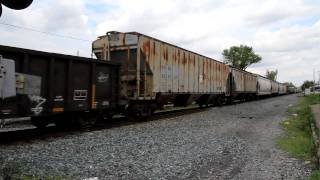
point(166, 54)
point(194, 60)
point(184, 58)
point(154, 48)
point(146, 48)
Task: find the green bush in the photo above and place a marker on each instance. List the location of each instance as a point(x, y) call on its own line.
point(315, 175)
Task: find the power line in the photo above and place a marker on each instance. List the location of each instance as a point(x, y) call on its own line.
point(44, 32)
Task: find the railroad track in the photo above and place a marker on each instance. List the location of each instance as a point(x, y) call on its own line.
point(31, 134)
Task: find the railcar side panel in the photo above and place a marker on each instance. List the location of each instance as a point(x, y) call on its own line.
point(274, 87)
point(49, 83)
point(250, 83)
point(264, 86)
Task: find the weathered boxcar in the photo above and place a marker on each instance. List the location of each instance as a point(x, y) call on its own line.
point(59, 87)
point(243, 84)
point(274, 88)
point(154, 72)
point(264, 86)
point(282, 89)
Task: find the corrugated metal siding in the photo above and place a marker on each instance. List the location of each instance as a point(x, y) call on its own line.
point(244, 82)
point(264, 86)
point(238, 80)
point(162, 67)
point(250, 82)
point(282, 89)
point(183, 71)
point(274, 87)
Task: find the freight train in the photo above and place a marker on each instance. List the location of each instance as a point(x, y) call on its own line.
point(133, 74)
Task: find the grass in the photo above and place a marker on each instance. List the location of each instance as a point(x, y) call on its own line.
point(298, 140)
point(315, 175)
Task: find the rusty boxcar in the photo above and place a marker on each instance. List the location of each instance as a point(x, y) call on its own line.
point(243, 84)
point(264, 86)
point(154, 72)
point(282, 88)
point(274, 88)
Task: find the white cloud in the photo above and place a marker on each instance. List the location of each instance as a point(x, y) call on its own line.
point(286, 33)
point(57, 17)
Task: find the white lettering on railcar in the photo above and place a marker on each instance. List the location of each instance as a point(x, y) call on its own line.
point(102, 78)
point(40, 101)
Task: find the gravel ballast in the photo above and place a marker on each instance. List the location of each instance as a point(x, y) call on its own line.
point(229, 142)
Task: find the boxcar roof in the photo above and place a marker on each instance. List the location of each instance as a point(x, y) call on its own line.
point(139, 34)
point(48, 54)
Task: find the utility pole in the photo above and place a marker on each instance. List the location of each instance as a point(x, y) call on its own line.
point(314, 78)
point(319, 78)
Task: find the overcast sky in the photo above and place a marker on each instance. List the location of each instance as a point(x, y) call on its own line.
point(285, 33)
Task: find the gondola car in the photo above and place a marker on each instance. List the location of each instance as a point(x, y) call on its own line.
point(58, 88)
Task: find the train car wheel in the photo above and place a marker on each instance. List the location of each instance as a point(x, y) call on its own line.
point(65, 121)
point(40, 122)
point(219, 101)
point(229, 100)
point(105, 116)
point(85, 121)
point(109, 116)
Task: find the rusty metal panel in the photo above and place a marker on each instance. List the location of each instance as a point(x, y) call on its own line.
point(264, 86)
point(223, 79)
point(210, 75)
point(203, 64)
point(201, 79)
point(191, 72)
point(250, 82)
point(216, 72)
point(274, 87)
point(205, 75)
point(244, 82)
point(186, 73)
point(123, 39)
point(157, 67)
point(181, 71)
point(219, 77)
point(196, 74)
point(238, 80)
point(164, 63)
point(169, 68)
point(215, 78)
point(175, 71)
point(190, 89)
point(226, 76)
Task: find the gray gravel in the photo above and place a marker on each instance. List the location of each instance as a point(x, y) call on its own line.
point(231, 142)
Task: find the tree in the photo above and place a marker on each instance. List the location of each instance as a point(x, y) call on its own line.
point(307, 84)
point(272, 75)
point(240, 56)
